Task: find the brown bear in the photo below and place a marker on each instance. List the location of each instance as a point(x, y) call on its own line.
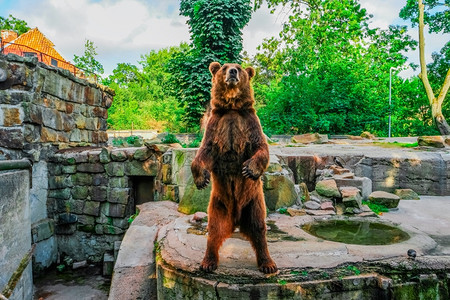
point(234, 154)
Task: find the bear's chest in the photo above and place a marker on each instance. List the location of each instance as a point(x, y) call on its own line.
point(232, 135)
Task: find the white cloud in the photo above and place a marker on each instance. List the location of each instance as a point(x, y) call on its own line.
point(262, 25)
point(128, 27)
point(123, 30)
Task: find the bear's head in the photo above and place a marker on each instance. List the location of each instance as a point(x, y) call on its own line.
point(231, 86)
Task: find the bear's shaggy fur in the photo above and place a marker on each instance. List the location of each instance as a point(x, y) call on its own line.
point(234, 154)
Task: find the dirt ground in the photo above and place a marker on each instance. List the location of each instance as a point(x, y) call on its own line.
point(84, 284)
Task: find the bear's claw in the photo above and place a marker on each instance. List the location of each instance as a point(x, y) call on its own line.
point(268, 268)
point(208, 266)
point(204, 183)
point(247, 172)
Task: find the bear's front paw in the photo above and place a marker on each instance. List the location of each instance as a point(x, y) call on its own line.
point(202, 181)
point(250, 171)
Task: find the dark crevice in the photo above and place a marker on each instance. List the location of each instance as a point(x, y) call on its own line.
point(217, 291)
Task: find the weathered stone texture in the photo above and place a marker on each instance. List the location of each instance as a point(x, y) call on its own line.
point(387, 199)
point(11, 138)
point(10, 116)
point(15, 224)
point(328, 188)
point(425, 173)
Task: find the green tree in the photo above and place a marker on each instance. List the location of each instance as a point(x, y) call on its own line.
point(328, 71)
point(87, 62)
point(12, 23)
point(216, 35)
point(437, 17)
point(143, 98)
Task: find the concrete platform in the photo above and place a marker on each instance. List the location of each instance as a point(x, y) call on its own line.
point(181, 246)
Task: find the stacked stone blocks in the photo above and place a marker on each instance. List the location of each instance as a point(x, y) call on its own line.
point(91, 192)
point(44, 106)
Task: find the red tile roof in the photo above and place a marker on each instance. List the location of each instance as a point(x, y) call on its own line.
point(36, 43)
point(36, 40)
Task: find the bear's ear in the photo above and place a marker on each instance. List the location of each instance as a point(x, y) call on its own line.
point(214, 67)
point(250, 71)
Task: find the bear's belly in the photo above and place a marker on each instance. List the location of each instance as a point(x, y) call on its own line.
point(231, 146)
point(229, 163)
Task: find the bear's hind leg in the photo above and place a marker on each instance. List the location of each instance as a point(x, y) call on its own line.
point(220, 227)
point(253, 226)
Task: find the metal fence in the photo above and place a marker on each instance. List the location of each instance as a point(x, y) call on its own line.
point(26, 51)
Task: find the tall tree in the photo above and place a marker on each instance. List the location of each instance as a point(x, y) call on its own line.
point(438, 20)
point(12, 23)
point(143, 99)
point(329, 71)
point(87, 62)
point(216, 35)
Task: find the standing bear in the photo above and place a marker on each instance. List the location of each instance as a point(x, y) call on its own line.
point(234, 154)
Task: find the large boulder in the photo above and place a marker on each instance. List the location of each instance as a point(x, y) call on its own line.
point(431, 141)
point(328, 188)
point(406, 194)
point(279, 191)
point(364, 184)
point(367, 135)
point(351, 196)
point(310, 138)
point(193, 199)
point(447, 141)
point(384, 198)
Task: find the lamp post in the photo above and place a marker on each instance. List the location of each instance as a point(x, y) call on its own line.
point(390, 97)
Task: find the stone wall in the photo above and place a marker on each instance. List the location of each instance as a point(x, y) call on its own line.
point(427, 173)
point(44, 109)
point(93, 192)
point(15, 233)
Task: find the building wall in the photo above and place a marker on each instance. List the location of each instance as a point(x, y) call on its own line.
point(44, 109)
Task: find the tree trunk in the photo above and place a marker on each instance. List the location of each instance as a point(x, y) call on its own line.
point(435, 103)
point(439, 120)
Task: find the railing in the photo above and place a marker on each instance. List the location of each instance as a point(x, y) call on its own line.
point(26, 51)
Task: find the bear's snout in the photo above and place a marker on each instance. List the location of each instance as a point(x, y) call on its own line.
point(232, 76)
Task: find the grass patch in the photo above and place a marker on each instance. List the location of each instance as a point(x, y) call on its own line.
point(376, 208)
point(396, 145)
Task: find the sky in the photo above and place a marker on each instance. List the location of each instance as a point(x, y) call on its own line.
point(123, 30)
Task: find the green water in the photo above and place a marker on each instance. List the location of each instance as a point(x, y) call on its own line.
point(356, 232)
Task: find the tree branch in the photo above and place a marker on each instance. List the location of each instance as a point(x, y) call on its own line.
point(445, 87)
point(423, 65)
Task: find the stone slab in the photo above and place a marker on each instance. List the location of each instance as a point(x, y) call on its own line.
point(134, 271)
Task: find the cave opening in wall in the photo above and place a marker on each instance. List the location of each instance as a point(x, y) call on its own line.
point(143, 189)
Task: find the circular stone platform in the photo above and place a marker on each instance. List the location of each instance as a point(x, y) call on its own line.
point(301, 258)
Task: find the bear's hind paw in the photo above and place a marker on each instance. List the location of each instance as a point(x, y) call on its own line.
point(268, 268)
point(208, 266)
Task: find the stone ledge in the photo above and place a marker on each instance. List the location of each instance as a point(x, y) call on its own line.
point(134, 274)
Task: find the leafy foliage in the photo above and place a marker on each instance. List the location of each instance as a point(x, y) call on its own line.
point(436, 15)
point(12, 23)
point(196, 142)
point(329, 71)
point(170, 138)
point(87, 61)
point(143, 97)
point(437, 82)
point(216, 30)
